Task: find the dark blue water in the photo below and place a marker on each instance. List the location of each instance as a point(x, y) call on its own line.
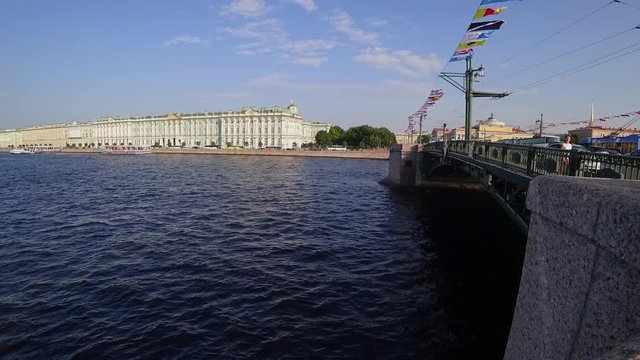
point(234, 257)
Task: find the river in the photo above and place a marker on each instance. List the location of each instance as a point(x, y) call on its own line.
point(242, 257)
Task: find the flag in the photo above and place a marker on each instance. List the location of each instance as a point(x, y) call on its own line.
point(485, 25)
point(482, 12)
point(469, 44)
point(462, 54)
point(602, 119)
point(476, 35)
point(485, 2)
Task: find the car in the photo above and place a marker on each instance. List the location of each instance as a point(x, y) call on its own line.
point(597, 149)
point(576, 147)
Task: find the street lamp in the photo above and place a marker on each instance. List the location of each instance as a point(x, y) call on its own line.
point(470, 75)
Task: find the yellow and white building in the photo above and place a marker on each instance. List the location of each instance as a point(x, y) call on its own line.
point(249, 127)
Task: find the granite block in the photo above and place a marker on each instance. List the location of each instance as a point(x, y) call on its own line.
point(571, 202)
point(618, 225)
point(553, 291)
point(612, 309)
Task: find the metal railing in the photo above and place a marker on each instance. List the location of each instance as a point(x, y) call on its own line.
point(533, 160)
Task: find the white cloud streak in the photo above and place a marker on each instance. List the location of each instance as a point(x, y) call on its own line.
point(186, 39)
point(308, 5)
point(343, 23)
point(401, 61)
point(245, 8)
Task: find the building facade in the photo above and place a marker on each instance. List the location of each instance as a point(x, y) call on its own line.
point(45, 135)
point(492, 129)
point(248, 127)
point(10, 138)
point(280, 127)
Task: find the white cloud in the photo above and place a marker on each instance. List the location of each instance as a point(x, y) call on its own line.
point(401, 61)
point(375, 22)
point(308, 5)
point(310, 61)
point(309, 46)
point(265, 30)
point(245, 8)
point(269, 81)
point(342, 22)
point(186, 39)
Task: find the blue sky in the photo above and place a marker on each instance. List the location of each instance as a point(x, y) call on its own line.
point(348, 62)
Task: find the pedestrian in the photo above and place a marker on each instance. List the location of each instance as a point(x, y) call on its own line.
point(566, 145)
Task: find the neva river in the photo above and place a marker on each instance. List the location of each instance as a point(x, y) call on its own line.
point(234, 257)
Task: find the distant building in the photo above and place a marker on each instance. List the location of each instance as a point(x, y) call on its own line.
point(601, 131)
point(249, 127)
point(45, 135)
point(404, 138)
point(492, 129)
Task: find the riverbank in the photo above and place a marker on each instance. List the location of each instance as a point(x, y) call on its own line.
point(378, 154)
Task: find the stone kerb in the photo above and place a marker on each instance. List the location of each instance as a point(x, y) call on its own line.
point(580, 288)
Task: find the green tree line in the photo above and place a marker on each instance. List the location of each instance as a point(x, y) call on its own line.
point(360, 137)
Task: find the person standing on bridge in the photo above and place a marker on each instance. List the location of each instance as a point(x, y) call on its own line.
point(566, 145)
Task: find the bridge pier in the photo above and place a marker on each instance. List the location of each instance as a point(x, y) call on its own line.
point(403, 165)
point(580, 288)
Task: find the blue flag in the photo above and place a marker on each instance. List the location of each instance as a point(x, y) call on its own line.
point(485, 2)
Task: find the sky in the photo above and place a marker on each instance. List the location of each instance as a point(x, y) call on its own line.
point(346, 62)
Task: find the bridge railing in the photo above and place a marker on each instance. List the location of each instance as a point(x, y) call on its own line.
point(532, 160)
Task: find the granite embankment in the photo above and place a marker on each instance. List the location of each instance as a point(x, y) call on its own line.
point(378, 154)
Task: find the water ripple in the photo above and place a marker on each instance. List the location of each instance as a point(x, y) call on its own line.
point(208, 257)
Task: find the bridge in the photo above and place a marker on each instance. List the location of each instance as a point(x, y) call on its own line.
point(505, 170)
point(579, 295)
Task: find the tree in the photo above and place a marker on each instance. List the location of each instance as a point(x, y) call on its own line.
point(323, 139)
point(183, 144)
point(260, 144)
point(197, 143)
point(168, 143)
point(336, 135)
point(295, 144)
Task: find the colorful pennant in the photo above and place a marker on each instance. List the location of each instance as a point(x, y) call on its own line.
point(485, 25)
point(482, 12)
point(487, 2)
point(476, 35)
point(469, 44)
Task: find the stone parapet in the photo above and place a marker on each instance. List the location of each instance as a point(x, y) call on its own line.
point(580, 289)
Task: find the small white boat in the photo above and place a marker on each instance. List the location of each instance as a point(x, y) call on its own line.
point(126, 150)
point(21, 152)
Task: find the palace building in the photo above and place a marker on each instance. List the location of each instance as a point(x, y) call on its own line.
point(281, 127)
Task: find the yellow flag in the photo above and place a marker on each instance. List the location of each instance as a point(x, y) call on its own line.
point(468, 44)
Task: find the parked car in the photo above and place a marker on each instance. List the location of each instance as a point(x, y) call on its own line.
point(597, 149)
point(577, 147)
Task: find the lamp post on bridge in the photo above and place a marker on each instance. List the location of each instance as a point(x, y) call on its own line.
point(470, 76)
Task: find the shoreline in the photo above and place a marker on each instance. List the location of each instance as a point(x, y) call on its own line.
point(382, 154)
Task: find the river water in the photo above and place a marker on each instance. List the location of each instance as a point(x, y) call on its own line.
point(240, 257)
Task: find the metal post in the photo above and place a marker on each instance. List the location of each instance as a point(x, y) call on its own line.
point(468, 96)
point(420, 130)
point(540, 125)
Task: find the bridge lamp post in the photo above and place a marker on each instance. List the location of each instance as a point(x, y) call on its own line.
point(470, 76)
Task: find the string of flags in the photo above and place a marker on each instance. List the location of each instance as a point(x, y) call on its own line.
point(602, 119)
point(476, 35)
point(629, 114)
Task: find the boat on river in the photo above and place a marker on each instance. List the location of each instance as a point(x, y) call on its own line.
point(21, 152)
point(126, 150)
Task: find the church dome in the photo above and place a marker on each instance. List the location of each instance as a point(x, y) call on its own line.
point(491, 121)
